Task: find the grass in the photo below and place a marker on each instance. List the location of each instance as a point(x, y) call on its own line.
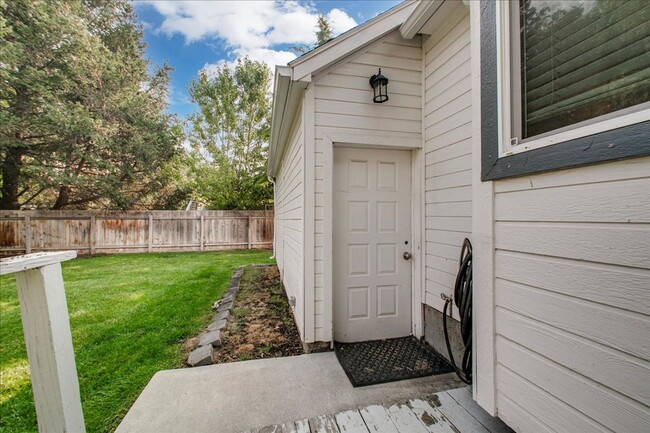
point(129, 315)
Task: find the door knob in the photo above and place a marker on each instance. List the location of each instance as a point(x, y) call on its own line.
point(407, 255)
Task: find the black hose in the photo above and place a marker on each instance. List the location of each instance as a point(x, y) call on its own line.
point(463, 300)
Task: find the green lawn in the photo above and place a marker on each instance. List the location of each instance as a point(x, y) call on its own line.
point(129, 314)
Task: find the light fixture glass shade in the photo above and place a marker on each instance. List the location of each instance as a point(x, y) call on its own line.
point(379, 85)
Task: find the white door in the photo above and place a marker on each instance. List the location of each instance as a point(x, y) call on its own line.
point(372, 232)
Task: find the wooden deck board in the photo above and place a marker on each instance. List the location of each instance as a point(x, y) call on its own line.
point(405, 420)
point(302, 426)
point(451, 411)
point(431, 417)
point(350, 421)
point(323, 424)
point(288, 427)
point(377, 419)
point(463, 396)
point(458, 415)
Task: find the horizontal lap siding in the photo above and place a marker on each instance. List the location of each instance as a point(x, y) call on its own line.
point(448, 165)
point(289, 217)
point(343, 104)
point(572, 295)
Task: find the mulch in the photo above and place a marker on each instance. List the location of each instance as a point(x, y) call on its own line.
point(261, 323)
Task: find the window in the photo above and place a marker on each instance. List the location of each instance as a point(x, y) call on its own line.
point(563, 83)
point(572, 64)
point(581, 60)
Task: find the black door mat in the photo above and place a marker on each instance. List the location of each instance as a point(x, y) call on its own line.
point(381, 361)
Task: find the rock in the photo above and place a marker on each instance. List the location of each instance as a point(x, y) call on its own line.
point(226, 299)
point(217, 326)
point(223, 315)
point(211, 338)
point(200, 356)
point(235, 280)
point(224, 306)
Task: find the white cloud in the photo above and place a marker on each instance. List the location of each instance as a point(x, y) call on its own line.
point(212, 68)
point(340, 21)
point(253, 28)
point(269, 56)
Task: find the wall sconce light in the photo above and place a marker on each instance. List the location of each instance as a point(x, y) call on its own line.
point(379, 85)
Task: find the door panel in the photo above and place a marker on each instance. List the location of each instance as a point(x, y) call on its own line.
point(372, 230)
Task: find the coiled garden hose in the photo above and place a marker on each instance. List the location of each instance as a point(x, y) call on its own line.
point(463, 300)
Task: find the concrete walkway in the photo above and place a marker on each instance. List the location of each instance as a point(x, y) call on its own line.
point(249, 395)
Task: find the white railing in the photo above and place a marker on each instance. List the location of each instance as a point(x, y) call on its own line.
point(46, 327)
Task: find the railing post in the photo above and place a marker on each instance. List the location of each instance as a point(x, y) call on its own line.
point(48, 340)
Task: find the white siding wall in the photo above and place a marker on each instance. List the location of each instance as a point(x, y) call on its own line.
point(289, 220)
point(448, 136)
point(572, 294)
point(343, 104)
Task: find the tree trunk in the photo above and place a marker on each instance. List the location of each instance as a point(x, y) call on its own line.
point(62, 199)
point(11, 166)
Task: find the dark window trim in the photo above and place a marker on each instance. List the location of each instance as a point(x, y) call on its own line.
point(625, 142)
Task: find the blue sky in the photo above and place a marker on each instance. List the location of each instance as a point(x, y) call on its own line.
point(192, 35)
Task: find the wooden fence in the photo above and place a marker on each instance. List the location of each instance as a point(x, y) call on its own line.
point(108, 232)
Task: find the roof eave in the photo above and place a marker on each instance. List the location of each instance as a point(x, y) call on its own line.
point(420, 21)
point(286, 100)
point(419, 17)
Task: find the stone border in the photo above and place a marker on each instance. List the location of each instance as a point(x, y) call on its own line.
point(211, 336)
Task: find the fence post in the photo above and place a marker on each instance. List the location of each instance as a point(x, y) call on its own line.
point(250, 232)
point(91, 234)
point(202, 230)
point(28, 234)
point(48, 340)
point(150, 240)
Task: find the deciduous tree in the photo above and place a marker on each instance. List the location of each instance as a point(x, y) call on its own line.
point(230, 133)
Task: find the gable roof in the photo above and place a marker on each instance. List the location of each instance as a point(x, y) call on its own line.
point(293, 79)
point(351, 41)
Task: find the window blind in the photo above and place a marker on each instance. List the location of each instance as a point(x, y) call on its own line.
point(581, 59)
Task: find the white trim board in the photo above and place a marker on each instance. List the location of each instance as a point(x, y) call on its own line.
point(483, 317)
point(309, 163)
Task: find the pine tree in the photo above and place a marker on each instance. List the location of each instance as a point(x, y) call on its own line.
point(82, 122)
point(324, 31)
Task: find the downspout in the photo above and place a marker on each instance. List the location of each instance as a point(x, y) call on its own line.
point(273, 183)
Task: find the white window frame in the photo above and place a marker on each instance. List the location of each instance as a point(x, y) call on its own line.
point(509, 97)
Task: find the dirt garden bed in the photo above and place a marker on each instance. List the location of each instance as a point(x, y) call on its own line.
point(261, 323)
